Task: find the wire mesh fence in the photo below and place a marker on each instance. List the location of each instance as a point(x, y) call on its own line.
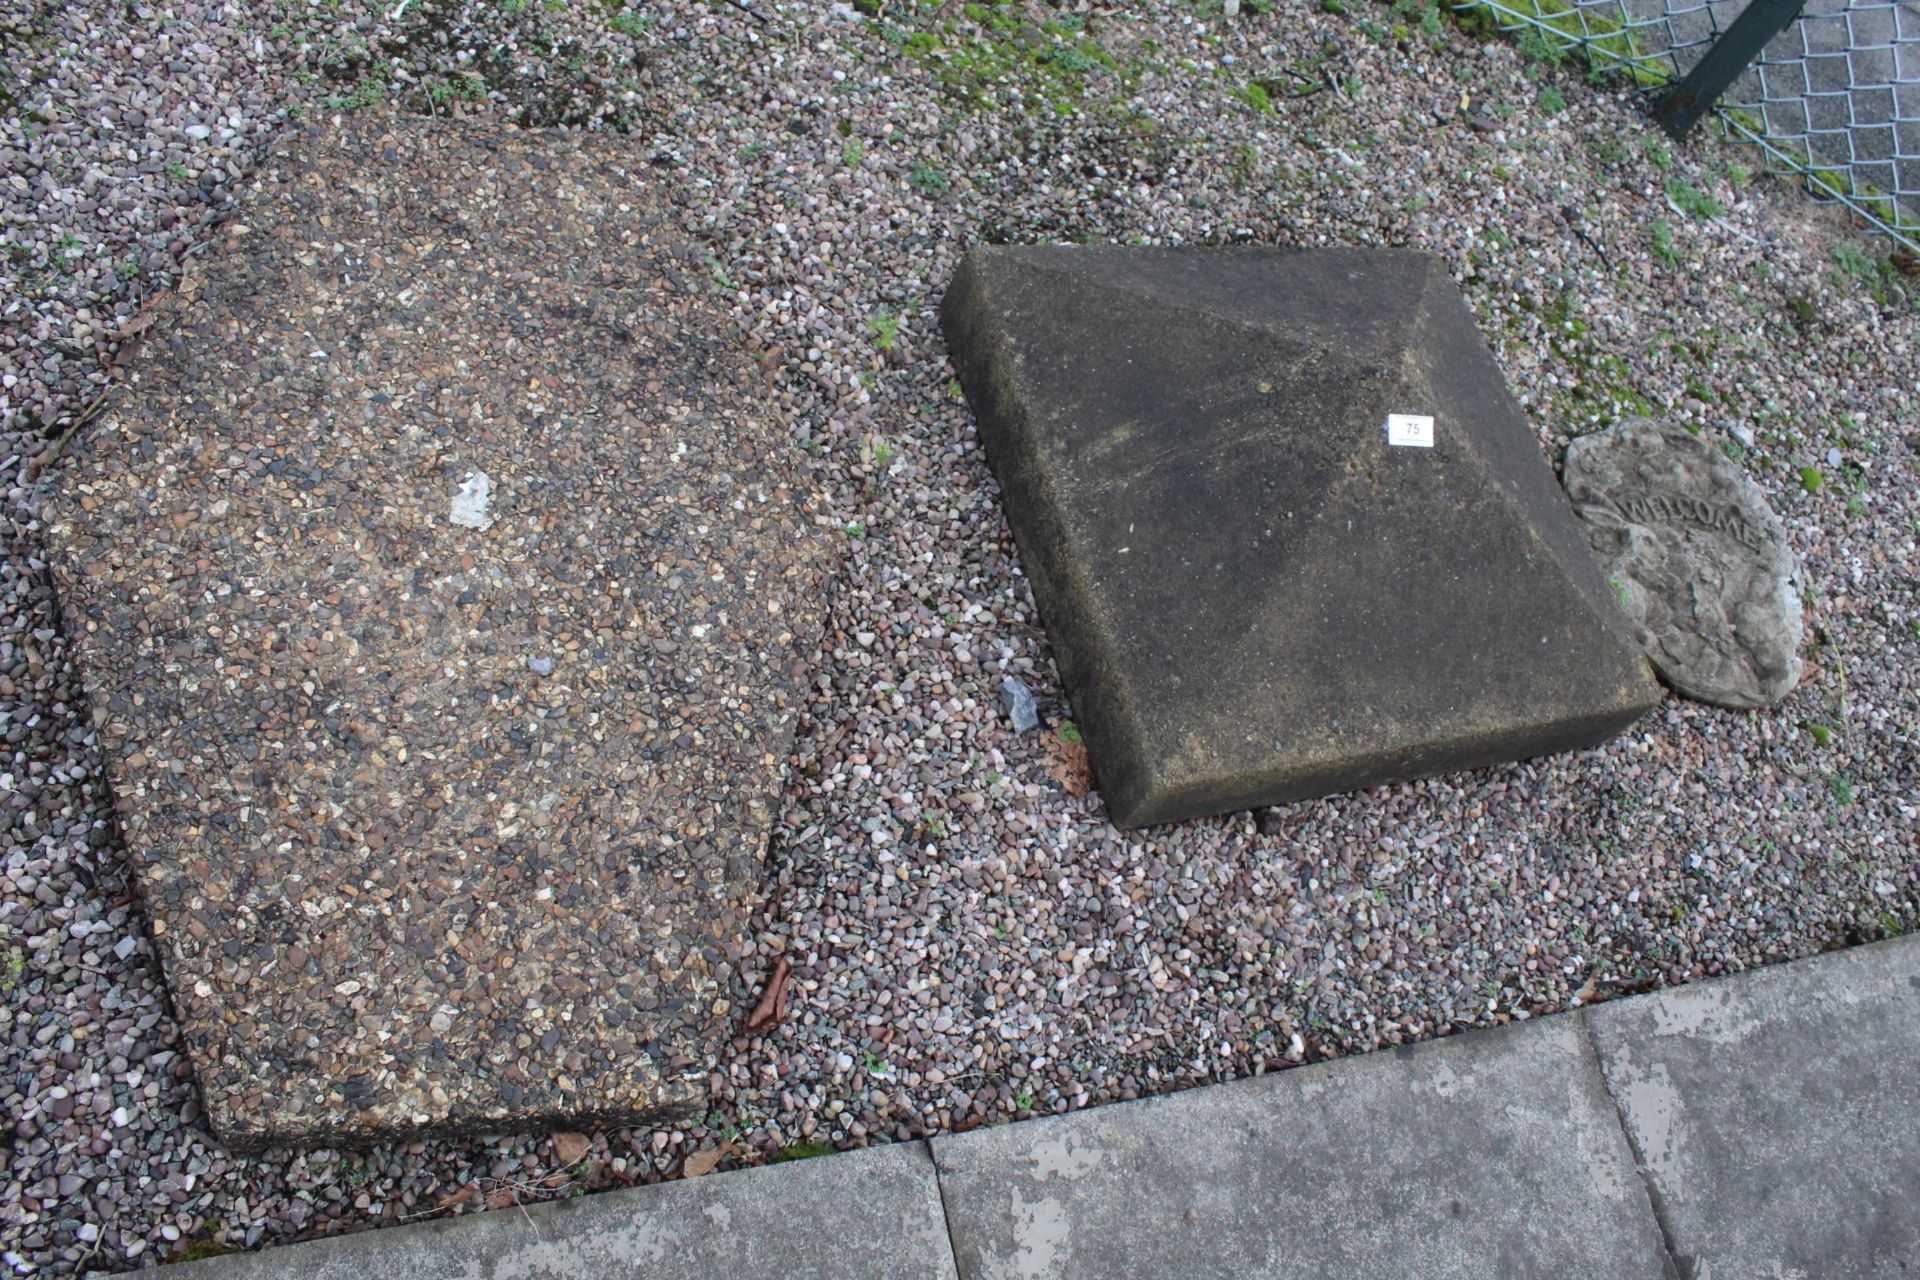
point(1833, 100)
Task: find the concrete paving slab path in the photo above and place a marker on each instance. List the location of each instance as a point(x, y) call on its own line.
point(1777, 1114)
point(1771, 1115)
point(1492, 1154)
point(863, 1213)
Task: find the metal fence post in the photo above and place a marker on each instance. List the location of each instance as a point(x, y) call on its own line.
point(1677, 108)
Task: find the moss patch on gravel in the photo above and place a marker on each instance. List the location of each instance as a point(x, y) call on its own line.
point(992, 54)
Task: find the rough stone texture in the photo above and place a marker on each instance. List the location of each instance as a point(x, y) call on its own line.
point(441, 825)
point(1131, 965)
point(1490, 1154)
point(1777, 1114)
point(1702, 564)
point(861, 1213)
point(1253, 597)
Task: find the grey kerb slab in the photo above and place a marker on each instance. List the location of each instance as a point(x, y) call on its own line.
point(1771, 1115)
point(1494, 1154)
point(1777, 1114)
point(865, 1213)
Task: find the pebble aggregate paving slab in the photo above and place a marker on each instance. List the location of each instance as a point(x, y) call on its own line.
point(440, 588)
point(1254, 592)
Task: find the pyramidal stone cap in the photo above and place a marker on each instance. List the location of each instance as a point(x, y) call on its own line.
point(1289, 533)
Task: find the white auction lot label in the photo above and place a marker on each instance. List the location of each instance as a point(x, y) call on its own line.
point(1414, 429)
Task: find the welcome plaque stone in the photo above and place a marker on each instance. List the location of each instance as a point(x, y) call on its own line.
point(1288, 530)
point(1700, 562)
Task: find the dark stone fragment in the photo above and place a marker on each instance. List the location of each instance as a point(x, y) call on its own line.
point(1253, 596)
point(1017, 699)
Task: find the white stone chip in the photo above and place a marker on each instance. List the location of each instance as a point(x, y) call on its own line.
point(470, 501)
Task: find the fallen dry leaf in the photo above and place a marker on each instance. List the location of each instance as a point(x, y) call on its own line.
point(1068, 763)
point(139, 323)
point(702, 1162)
point(772, 1009)
point(468, 1192)
point(571, 1148)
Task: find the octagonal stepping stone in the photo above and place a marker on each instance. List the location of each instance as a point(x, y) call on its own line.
point(439, 580)
point(1288, 531)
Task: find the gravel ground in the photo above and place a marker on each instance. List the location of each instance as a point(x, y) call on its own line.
point(968, 940)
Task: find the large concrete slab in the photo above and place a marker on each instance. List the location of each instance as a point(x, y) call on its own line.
point(1777, 1114)
point(436, 576)
point(1490, 1154)
point(862, 1213)
point(1253, 593)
